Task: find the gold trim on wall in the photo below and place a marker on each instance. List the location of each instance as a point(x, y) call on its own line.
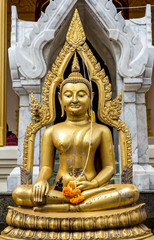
point(44, 4)
point(3, 70)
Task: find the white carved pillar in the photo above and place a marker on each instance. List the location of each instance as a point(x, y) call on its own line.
point(23, 87)
point(135, 118)
point(130, 117)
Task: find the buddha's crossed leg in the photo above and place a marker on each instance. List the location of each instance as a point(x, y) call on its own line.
point(108, 197)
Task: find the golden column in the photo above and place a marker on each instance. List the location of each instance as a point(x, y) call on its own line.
point(3, 70)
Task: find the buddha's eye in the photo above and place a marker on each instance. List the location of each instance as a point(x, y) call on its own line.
point(81, 94)
point(68, 95)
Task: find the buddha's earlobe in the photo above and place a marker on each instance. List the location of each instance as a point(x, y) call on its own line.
point(61, 104)
point(89, 109)
point(62, 110)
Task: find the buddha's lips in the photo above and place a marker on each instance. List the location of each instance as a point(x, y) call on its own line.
point(75, 105)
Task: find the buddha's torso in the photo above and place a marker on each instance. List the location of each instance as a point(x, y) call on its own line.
point(72, 143)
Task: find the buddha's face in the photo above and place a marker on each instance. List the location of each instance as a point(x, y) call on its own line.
point(75, 98)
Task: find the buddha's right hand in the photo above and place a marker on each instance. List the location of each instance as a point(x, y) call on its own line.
point(40, 189)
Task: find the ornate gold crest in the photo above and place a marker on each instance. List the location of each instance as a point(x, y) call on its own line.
point(75, 35)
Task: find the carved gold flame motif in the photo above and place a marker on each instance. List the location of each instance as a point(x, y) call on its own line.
point(75, 35)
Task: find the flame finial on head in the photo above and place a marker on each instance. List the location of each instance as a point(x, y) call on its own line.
point(75, 64)
point(75, 76)
point(75, 70)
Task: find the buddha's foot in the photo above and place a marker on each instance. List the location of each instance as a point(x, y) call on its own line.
point(74, 208)
point(57, 208)
point(38, 209)
point(53, 208)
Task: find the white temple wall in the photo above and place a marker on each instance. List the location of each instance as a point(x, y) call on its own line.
point(8, 162)
point(12, 105)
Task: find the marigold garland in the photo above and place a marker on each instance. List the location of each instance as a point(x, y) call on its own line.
point(71, 185)
point(74, 194)
point(77, 200)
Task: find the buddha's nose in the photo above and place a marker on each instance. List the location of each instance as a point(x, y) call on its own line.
point(74, 99)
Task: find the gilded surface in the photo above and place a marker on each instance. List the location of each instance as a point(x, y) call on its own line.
point(75, 35)
point(121, 218)
point(137, 232)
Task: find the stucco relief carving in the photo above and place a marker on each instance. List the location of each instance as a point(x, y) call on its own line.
point(120, 31)
point(29, 56)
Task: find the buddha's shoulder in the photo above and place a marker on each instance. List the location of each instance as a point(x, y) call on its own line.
point(51, 129)
point(48, 131)
point(54, 128)
point(102, 128)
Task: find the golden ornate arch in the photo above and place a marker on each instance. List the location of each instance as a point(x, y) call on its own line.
point(108, 110)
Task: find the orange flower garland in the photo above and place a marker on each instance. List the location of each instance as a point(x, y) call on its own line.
point(77, 200)
point(71, 185)
point(74, 194)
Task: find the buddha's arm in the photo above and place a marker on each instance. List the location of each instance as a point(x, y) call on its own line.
point(41, 186)
point(107, 158)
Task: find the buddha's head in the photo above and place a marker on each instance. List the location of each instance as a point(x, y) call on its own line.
point(75, 92)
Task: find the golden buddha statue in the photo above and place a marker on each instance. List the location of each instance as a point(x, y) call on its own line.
point(84, 205)
point(72, 138)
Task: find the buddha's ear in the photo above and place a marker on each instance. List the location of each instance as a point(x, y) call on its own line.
point(61, 104)
point(59, 97)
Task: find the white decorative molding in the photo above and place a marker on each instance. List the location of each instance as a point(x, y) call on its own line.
point(29, 49)
point(134, 54)
point(28, 52)
point(8, 161)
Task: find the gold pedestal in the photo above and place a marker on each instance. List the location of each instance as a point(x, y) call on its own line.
point(124, 223)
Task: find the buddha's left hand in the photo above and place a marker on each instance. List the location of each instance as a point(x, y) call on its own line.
point(83, 185)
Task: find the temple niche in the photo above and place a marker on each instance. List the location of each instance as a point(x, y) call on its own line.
point(125, 46)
